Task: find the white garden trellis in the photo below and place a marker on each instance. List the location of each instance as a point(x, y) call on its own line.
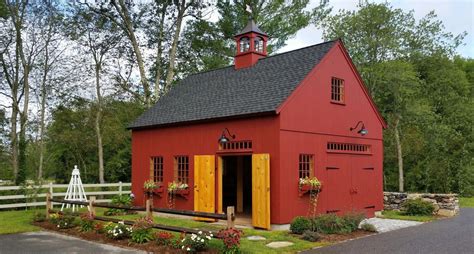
point(75, 190)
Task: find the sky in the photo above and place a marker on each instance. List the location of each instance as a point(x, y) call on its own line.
point(456, 15)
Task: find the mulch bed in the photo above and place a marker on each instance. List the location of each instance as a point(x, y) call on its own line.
point(334, 238)
point(150, 247)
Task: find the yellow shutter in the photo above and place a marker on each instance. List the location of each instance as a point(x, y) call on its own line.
point(261, 191)
point(204, 184)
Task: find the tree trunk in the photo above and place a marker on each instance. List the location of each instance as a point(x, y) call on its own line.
point(159, 53)
point(98, 119)
point(399, 155)
point(174, 46)
point(136, 49)
point(42, 113)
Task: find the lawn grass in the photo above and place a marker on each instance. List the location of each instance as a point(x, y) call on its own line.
point(401, 216)
point(17, 222)
point(466, 202)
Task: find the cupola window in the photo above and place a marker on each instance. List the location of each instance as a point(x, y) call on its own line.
point(259, 44)
point(244, 44)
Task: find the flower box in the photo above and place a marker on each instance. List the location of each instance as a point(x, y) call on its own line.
point(181, 193)
point(304, 189)
point(158, 191)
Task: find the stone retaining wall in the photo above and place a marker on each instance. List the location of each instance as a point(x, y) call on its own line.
point(445, 204)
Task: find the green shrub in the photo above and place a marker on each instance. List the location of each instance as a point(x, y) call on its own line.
point(418, 207)
point(62, 220)
point(142, 230)
point(117, 231)
point(300, 224)
point(330, 224)
point(311, 236)
point(368, 227)
point(39, 217)
point(352, 220)
point(123, 200)
point(195, 242)
point(86, 222)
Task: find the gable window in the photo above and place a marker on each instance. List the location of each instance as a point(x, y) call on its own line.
point(306, 165)
point(157, 169)
point(258, 44)
point(181, 169)
point(337, 90)
point(244, 44)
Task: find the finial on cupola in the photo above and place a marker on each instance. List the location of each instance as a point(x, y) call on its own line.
point(251, 45)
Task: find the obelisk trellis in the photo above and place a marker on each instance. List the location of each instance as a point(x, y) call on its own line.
point(75, 190)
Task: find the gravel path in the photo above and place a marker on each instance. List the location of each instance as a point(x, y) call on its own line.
point(386, 225)
point(450, 236)
point(48, 242)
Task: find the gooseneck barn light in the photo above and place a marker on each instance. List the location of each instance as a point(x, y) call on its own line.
point(223, 139)
point(363, 131)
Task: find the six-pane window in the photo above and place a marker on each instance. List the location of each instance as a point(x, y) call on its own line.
point(337, 90)
point(181, 165)
point(306, 165)
point(157, 169)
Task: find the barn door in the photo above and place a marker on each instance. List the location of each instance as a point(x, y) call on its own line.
point(204, 184)
point(261, 191)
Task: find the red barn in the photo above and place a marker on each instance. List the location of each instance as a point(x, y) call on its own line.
point(245, 134)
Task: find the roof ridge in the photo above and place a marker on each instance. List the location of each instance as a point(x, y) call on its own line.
point(262, 59)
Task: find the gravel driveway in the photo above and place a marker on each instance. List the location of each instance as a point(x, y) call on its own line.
point(46, 242)
point(453, 235)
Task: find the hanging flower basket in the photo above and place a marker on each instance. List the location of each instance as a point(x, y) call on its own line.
point(178, 189)
point(309, 185)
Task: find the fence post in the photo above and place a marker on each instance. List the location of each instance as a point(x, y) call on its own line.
point(91, 206)
point(120, 188)
point(230, 217)
point(51, 191)
point(48, 204)
point(149, 211)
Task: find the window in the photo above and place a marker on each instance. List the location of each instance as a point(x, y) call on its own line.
point(157, 169)
point(237, 145)
point(348, 148)
point(306, 165)
point(337, 90)
point(244, 44)
point(181, 168)
point(258, 44)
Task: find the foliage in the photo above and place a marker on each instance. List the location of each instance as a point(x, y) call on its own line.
point(142, 230)
point(86, 222)
point(195, 242)
point(333, 224)
point(231, 238)
point(368, 227)
point(311, 181)
point(149, 185)
point(418, 207)
point(300, 224)
point(174, 186)
point(39, 216)
point(122, 200)
point(164, 238)
point(99, 227)
point(311, 236)
point(62, 220)
point(118, 231)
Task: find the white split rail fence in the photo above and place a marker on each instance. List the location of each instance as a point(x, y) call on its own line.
point(50, 187)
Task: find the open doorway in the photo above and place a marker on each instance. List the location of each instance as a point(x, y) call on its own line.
point(237, 185)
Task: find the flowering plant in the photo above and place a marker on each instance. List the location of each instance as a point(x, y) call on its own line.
point(313, 182)
point(175, 186)
point(231, 239)
point(142, 230)
point(62, 221)
point(86, 222)
point(119, 231)
point(195, 242)
point(149, 185)
point(163, 238)
point(99, 228)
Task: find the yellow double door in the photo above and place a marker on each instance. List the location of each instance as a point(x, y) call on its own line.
point(205, 187)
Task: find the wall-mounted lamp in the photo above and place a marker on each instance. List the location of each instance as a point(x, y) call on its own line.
point(363, 131)
point(223, 139)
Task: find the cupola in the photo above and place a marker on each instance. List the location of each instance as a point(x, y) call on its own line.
point(251, 46)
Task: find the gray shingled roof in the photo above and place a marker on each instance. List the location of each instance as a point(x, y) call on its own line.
point(227, 92)
point(251, 27)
